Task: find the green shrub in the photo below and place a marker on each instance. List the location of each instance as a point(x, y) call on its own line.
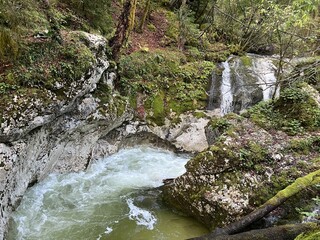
point(96, 12)
point(295, 111)
point(4, 87)
point(8, 44)
point(298, 108)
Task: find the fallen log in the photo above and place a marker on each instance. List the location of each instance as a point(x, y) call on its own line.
point(284, 232)
point(298, 185)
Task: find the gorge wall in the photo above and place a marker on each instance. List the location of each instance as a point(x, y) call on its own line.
point(61, 137)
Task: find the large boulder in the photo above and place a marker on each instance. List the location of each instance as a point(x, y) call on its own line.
point(243, 168)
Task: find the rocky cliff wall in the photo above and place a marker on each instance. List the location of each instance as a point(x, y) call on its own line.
point(59, 137)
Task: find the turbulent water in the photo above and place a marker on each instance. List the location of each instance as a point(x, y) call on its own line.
point(116, 199)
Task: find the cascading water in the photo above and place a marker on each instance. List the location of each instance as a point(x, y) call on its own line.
point(226, 92)
point(264, 70)
point(116, 198)
point(244, 82)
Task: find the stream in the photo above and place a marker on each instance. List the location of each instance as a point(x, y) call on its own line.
point(116, 198)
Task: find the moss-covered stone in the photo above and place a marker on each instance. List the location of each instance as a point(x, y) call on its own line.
point(304, 145)
point(297, 104)
point(312, 235)
point(157, 110)
point(238, 173)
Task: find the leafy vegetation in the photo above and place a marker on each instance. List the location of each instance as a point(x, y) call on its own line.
point(169, 82)
point(294, 112)
point(45, 64)
point(164, 68)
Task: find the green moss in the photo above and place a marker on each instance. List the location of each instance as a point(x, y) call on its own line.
point(133, 101)
point(9, 47)
point(215, 157)
point(157, 109)
point(151, 27)
point(120, 105)
point(200, 115)
point(172, 32)
point(252, 154)
point(246, 61)
point(182, 85)
point(298, 185)
point(298, 107)
point(219, 124)
point(44, 64)
point(295, 111)
point(103, 92)
point(194, 54)
point(312, 235)
point(263, 115)
point(304, 145)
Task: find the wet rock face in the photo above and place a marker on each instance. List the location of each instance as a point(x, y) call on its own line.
point(244, 167)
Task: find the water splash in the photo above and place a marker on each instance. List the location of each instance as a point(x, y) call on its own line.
point(141, 216)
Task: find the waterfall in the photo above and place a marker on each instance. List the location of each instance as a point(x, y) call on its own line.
point(244, 82)
point(264, 70)
point(226, 92)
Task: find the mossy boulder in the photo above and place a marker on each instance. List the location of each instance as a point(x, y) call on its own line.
point(299, 104)
point(312, 235)
point(237, 174)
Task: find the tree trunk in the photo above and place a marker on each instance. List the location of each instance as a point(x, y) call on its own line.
point(182, 25)
point(144, 16)
point(298, 185)
point(124, 27)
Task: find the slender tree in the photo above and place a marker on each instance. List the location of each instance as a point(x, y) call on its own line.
point(124, 28)
point(144, 15)
point(182, 24)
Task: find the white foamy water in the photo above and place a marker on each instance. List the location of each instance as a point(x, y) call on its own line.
point(264, 71)
point(141, 216)
point(108, 201)
point(226, 91)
